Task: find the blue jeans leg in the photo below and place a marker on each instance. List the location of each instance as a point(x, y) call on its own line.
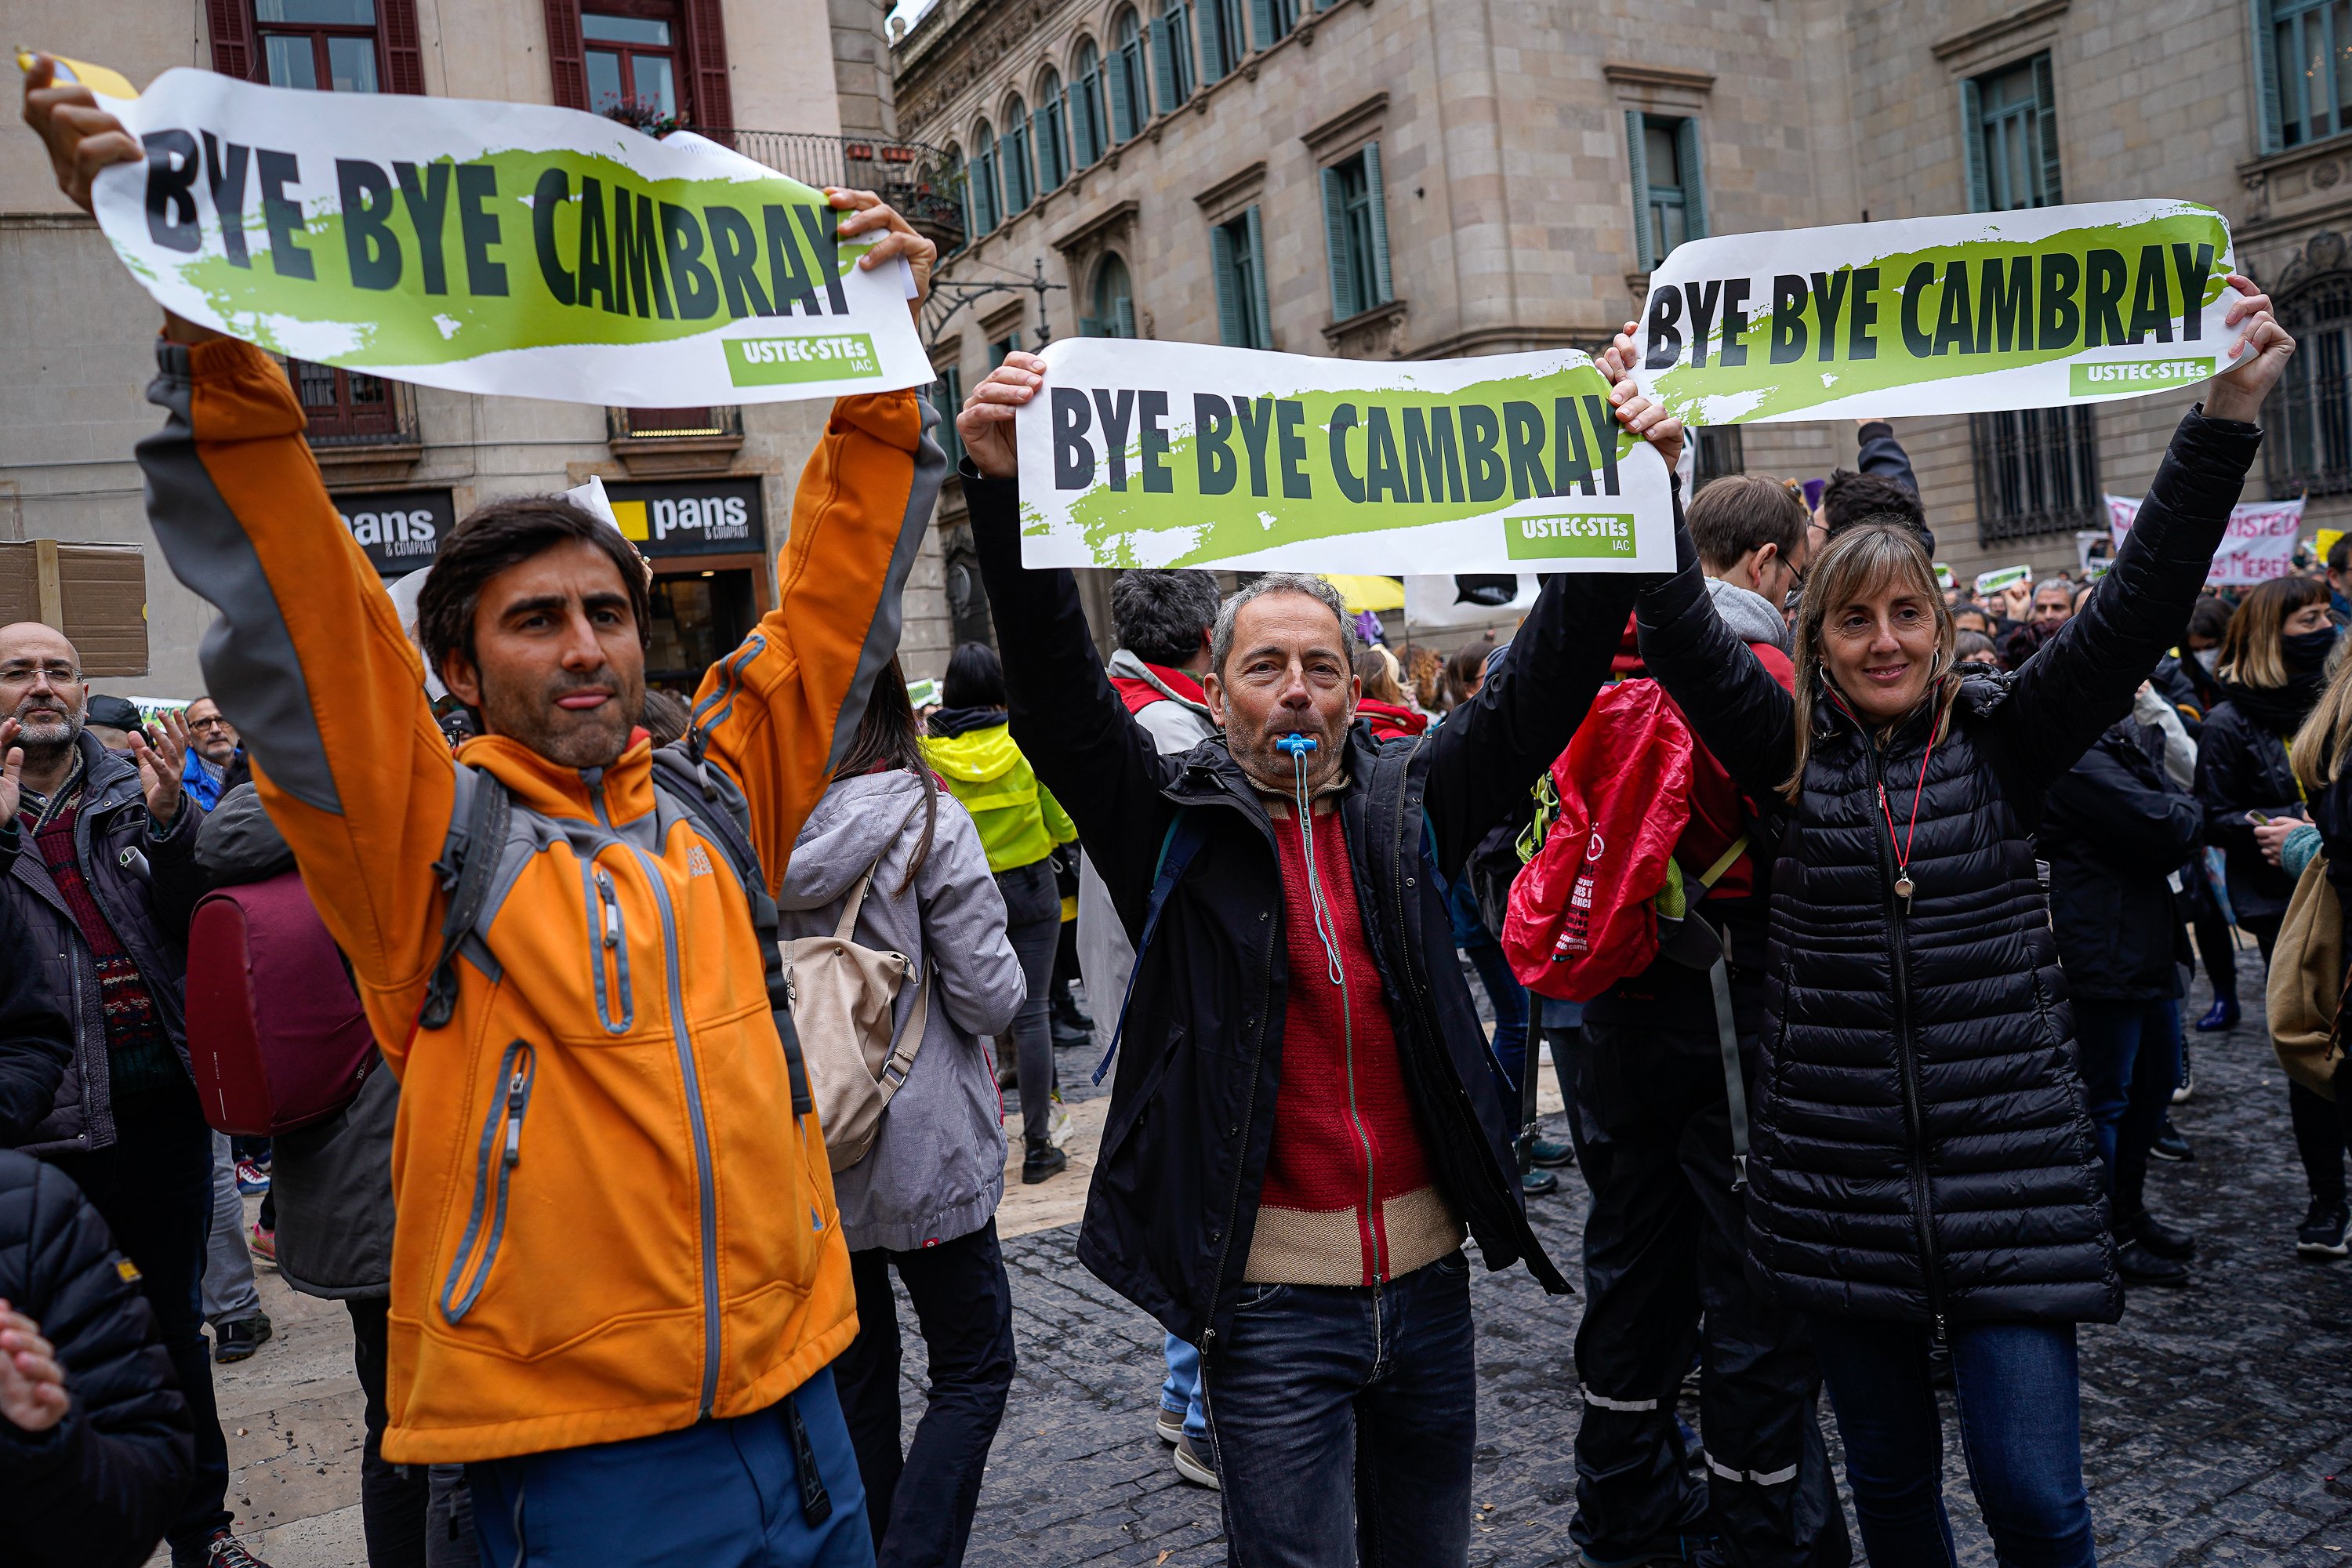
point(1510, 1002)
point(2108, 1035)
point(1886, 1417)
point(1181, 1394)
point(718, 1494)
point(1335, 1407)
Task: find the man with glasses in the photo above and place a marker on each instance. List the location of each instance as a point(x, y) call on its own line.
point(103, 877)
point(213, 753)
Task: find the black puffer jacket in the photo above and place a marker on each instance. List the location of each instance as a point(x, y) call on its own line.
point(1921, 1147)
point(1173, 1206)
point(2241, 767)
point(2114, 831)
point(95, 1489)
point(36, 1043)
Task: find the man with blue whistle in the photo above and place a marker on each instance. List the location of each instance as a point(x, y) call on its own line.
point(1307, 1121)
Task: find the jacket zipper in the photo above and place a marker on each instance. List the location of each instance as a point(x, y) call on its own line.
point(1906, 1058)
point(608, 947)
point(1347, 1056)
point(500, 1151)
point(1265, 824)
point(693, 1084)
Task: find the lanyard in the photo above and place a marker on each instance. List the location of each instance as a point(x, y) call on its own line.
point(1903, 856)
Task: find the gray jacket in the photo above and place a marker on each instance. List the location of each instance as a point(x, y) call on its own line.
point(1106, 958)
point(937, 1168)
point(146, 884)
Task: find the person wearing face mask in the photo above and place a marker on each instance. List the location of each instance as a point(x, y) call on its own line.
point(1923, 1168)
point(1306, 1118)
point(2271, 669)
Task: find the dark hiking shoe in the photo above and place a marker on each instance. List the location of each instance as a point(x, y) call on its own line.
point(2139, 1266)
point(2321, 1234)
point(2163, 1240)
point(1042, 1162)
point(1536, 1183)
point(1551, 1155)
point(2221, 1015)
point(238, 1341)
point(2170, 1145)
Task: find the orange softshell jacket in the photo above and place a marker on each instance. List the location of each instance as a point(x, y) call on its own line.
point(611, 1224)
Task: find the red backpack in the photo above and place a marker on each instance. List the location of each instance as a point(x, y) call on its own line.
point(275, 1030)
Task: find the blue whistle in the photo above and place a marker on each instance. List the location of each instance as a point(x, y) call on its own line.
point(1297, 745)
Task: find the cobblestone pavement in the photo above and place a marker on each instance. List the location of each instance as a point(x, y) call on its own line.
point(2215, 1418)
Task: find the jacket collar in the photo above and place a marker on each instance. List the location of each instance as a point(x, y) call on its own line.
point(103, 778)
point(1173, 685)
point(612, 796)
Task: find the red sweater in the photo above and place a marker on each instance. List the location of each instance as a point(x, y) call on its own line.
point(1348, 1199)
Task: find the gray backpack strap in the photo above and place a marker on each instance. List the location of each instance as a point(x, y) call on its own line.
point(469, 861)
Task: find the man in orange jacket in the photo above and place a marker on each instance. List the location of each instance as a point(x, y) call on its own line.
point(618, 1278)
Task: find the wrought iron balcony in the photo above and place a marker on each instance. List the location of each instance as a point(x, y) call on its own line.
point(913, 177)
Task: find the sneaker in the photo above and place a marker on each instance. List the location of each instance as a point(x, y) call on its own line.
point(1059, 1125)
point(223, 1550)
point(1551, 1155)
point(2139, 1266)
point(238, 1341)
point(1196, 1466)
point(2170, 1145)
point(262, 1244)
point(1536, 1183)
point(1168, 1423)
point(2219, 1017)
point(251, 1179)
point(2162, 1239)
point(1042, 1162)
point(2187, 1085)
point(2321, 1234)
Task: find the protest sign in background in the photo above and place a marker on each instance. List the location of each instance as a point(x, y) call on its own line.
point(1165, 454)
point(496, 247)
point(2259, 546)
point(1940, 315)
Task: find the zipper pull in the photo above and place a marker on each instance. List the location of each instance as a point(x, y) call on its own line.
point(1942, 1338)
point(612, 909)
point(514, 1116)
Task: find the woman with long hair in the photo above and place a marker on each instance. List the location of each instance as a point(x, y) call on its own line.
point(1385, 705)
point(2322, 766)
point(1924, 1167)
point(923, 1199)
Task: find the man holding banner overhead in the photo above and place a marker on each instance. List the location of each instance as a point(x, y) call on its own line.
point(619, 1276)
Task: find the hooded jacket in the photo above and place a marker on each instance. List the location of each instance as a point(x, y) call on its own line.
point(1019, 820)
point(146, 883)
point(2242, 766)
point(1922, 1149)
point(936, 1171)
point(611, 1223)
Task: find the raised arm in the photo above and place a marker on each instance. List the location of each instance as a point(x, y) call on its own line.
point(1737, 710)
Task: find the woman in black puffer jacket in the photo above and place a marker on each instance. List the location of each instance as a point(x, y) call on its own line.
point(1923, 1163)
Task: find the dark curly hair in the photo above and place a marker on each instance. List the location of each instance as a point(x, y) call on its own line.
point(508, 534)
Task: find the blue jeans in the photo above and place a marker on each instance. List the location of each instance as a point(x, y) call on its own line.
point(718, 1494)
point(1504, 992)
point(2018, 1391)
point(2131, 1061)
point(1344, 1421)
point(1181, 1395)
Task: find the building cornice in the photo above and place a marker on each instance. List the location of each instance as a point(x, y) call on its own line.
point(1346, 123)
point(1115, 215)
point(1970, 39)
point(1659, 76)
point(1232, 185)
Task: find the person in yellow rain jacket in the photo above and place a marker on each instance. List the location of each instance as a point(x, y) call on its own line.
point(617, 1280)
point(1020, 825)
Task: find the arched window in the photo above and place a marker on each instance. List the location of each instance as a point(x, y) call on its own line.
point(1087, 138)
point(1019, 184)
point(2311, 413)
point(1130, 91)
point(1173, 61)
point(1053, 132)
point(987, 195)
point(1113, 312)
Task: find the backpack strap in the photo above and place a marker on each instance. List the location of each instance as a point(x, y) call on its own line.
point(1182, 841)
point(1735, 1085)
point(909, 1041)
point(1723, 862)
point(467, 865)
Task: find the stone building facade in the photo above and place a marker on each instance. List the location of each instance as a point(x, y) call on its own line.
point(803, 84)
point(1525, 165)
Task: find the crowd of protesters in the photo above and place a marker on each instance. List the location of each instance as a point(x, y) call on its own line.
point(1872, 1106)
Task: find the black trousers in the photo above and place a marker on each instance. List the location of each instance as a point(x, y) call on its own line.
point(964, 1306)
point(1665, 1279)
point(414, 1516)
point(153, 1187)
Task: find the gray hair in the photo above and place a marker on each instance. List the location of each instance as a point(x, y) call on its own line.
point(1221, 641)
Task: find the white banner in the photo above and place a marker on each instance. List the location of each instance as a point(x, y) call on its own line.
point(1445, 603)
point(2259, 546)
point(1172, 455)
point(498, 248)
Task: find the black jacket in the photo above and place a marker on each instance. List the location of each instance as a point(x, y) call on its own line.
point(2241, 767)
point(1173, 1205)
point(2114, 830)
point(1922, 1150)
point(1878, 452)
point(146, 883)
point(36, 1044)
point(96, 1489)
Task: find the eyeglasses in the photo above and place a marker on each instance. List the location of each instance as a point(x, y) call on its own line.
point(214, 723)
point(23, 672)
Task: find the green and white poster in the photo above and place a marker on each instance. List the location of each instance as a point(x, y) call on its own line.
point(498, 248)
point(1973, 313)
point(1172, 455)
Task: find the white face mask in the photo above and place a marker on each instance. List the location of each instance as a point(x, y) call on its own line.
point(2209, 657)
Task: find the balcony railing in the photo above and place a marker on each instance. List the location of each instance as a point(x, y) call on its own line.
point(913, 177)
point(350, 409)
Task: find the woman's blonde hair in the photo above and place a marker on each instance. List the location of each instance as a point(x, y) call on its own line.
point(2252, 651)
point(2317, 750)
point(1377, 668)
point(1858, 562)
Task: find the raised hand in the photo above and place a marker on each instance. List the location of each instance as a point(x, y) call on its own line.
point(160, 765)
point(2259, 359)
point(985, 425)
point(867, 212)
point(32, 1384)
point(82, 138)
point(1643, 417)
point(12, 771)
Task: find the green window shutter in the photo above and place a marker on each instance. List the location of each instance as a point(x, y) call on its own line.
point(1383, 290)
point(1049, 166)
point(1637, 154)
point(1335, 240)
point(2045, 123)
point(1230, 330)
point(1972, 153)
point(1125, 315)
point(1263, 336)
point(2266, 80)
point(1122, 114)
point(1213, 64)
point(1163, 63)
point(1694, 180)
point(1262, 23)
point(1070, 111)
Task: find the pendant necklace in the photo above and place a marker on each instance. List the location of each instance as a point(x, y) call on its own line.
point(1902, 858)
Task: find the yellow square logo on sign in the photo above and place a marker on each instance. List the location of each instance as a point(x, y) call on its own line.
point(631, 516)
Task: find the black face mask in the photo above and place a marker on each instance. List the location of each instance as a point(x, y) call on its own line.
point(2308, 650)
